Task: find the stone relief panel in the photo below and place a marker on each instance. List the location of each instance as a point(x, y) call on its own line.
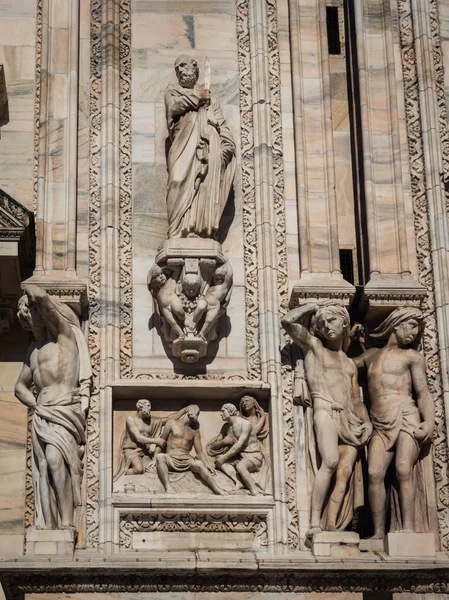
point(184, 193)
point(193, 531)
point(196, 449)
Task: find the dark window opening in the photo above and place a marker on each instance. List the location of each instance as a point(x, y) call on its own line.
point(333, 30)
point(347, 264)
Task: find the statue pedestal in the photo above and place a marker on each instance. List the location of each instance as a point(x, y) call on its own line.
point(402, 545)
point(336, 544)
point(372, 545)
point(53, 542)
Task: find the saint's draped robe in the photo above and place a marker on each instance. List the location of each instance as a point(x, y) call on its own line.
point(199, 179)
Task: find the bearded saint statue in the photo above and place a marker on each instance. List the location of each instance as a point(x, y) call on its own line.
point(201, 160)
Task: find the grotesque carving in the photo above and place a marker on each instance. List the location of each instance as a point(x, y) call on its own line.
point(57, 366)
point(181, 436)
point(340, 419)
point(142, 433)
point(191, 280)
point(402, 414)
point(201, 160)
point(237, 449)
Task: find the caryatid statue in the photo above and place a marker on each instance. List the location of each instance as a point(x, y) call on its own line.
point(57, 365)
point(201, 160)
point(403, 418)
point(340, 419)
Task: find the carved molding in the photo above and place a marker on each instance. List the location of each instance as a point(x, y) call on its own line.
point(37, 101)
point(95, 142)
point(424, 254)
point(191, 522)
point(228, 579)
point(17, 224)
point(248, 192)
point(125, 216)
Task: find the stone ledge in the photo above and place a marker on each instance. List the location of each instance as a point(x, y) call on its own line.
point(171, 572)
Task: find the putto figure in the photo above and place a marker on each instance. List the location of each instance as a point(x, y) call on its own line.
point(181, 436)
point(57, 364)
point(201, 160)
point(142, 433)
point(340, 419)
point(402, 414)
point(238, 451)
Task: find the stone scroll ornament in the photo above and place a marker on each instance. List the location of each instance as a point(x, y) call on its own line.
point(55, 384)
point(403, 418)
point(191, 280)
point(338, 424)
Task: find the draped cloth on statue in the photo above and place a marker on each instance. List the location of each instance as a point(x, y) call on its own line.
point(405, 417)
point(60, 421)
point(198, 180)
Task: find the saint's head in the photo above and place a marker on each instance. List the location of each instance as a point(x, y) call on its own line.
point(187, 71)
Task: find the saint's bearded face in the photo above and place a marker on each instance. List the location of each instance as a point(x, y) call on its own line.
point(187, 72)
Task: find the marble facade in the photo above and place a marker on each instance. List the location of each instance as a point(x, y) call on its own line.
point(341, 153)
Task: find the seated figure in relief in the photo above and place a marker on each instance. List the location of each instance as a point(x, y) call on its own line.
point(402, 414)
point(182, 436)
point(340, 419)
point(238, 451)
point(142, 433)
point(201, 160)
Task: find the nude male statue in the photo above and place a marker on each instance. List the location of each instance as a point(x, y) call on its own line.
point(396, 375)
point(57, 364)
point(340, 418)
point(243, 454)
point(181, 436)
point(141, 432)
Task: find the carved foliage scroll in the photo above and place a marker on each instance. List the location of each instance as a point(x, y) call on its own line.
point(424, 254)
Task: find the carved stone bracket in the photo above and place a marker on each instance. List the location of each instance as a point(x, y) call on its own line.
point(71, 291)
point(381, 296)
point(191, 282)
point(315, 290)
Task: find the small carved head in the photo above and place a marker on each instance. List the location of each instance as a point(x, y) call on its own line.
point(28, 316)
point(332, 323)
point(191, 284)
point(407, 323)
point(193, 412)
point(156, 278)
point(144, 406)
point(220, 274)
point(227, 411)
point(247, 404)
point(187, 71)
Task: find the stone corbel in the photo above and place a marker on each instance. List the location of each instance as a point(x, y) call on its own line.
point(70, 291)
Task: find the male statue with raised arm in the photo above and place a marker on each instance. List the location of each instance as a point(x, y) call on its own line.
point(57, 365)
point(341, 421)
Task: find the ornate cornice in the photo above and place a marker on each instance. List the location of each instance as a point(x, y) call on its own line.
point(151, 576)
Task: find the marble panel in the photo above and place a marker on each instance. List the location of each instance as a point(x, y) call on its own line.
point(162, 31)
point(17, 54)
